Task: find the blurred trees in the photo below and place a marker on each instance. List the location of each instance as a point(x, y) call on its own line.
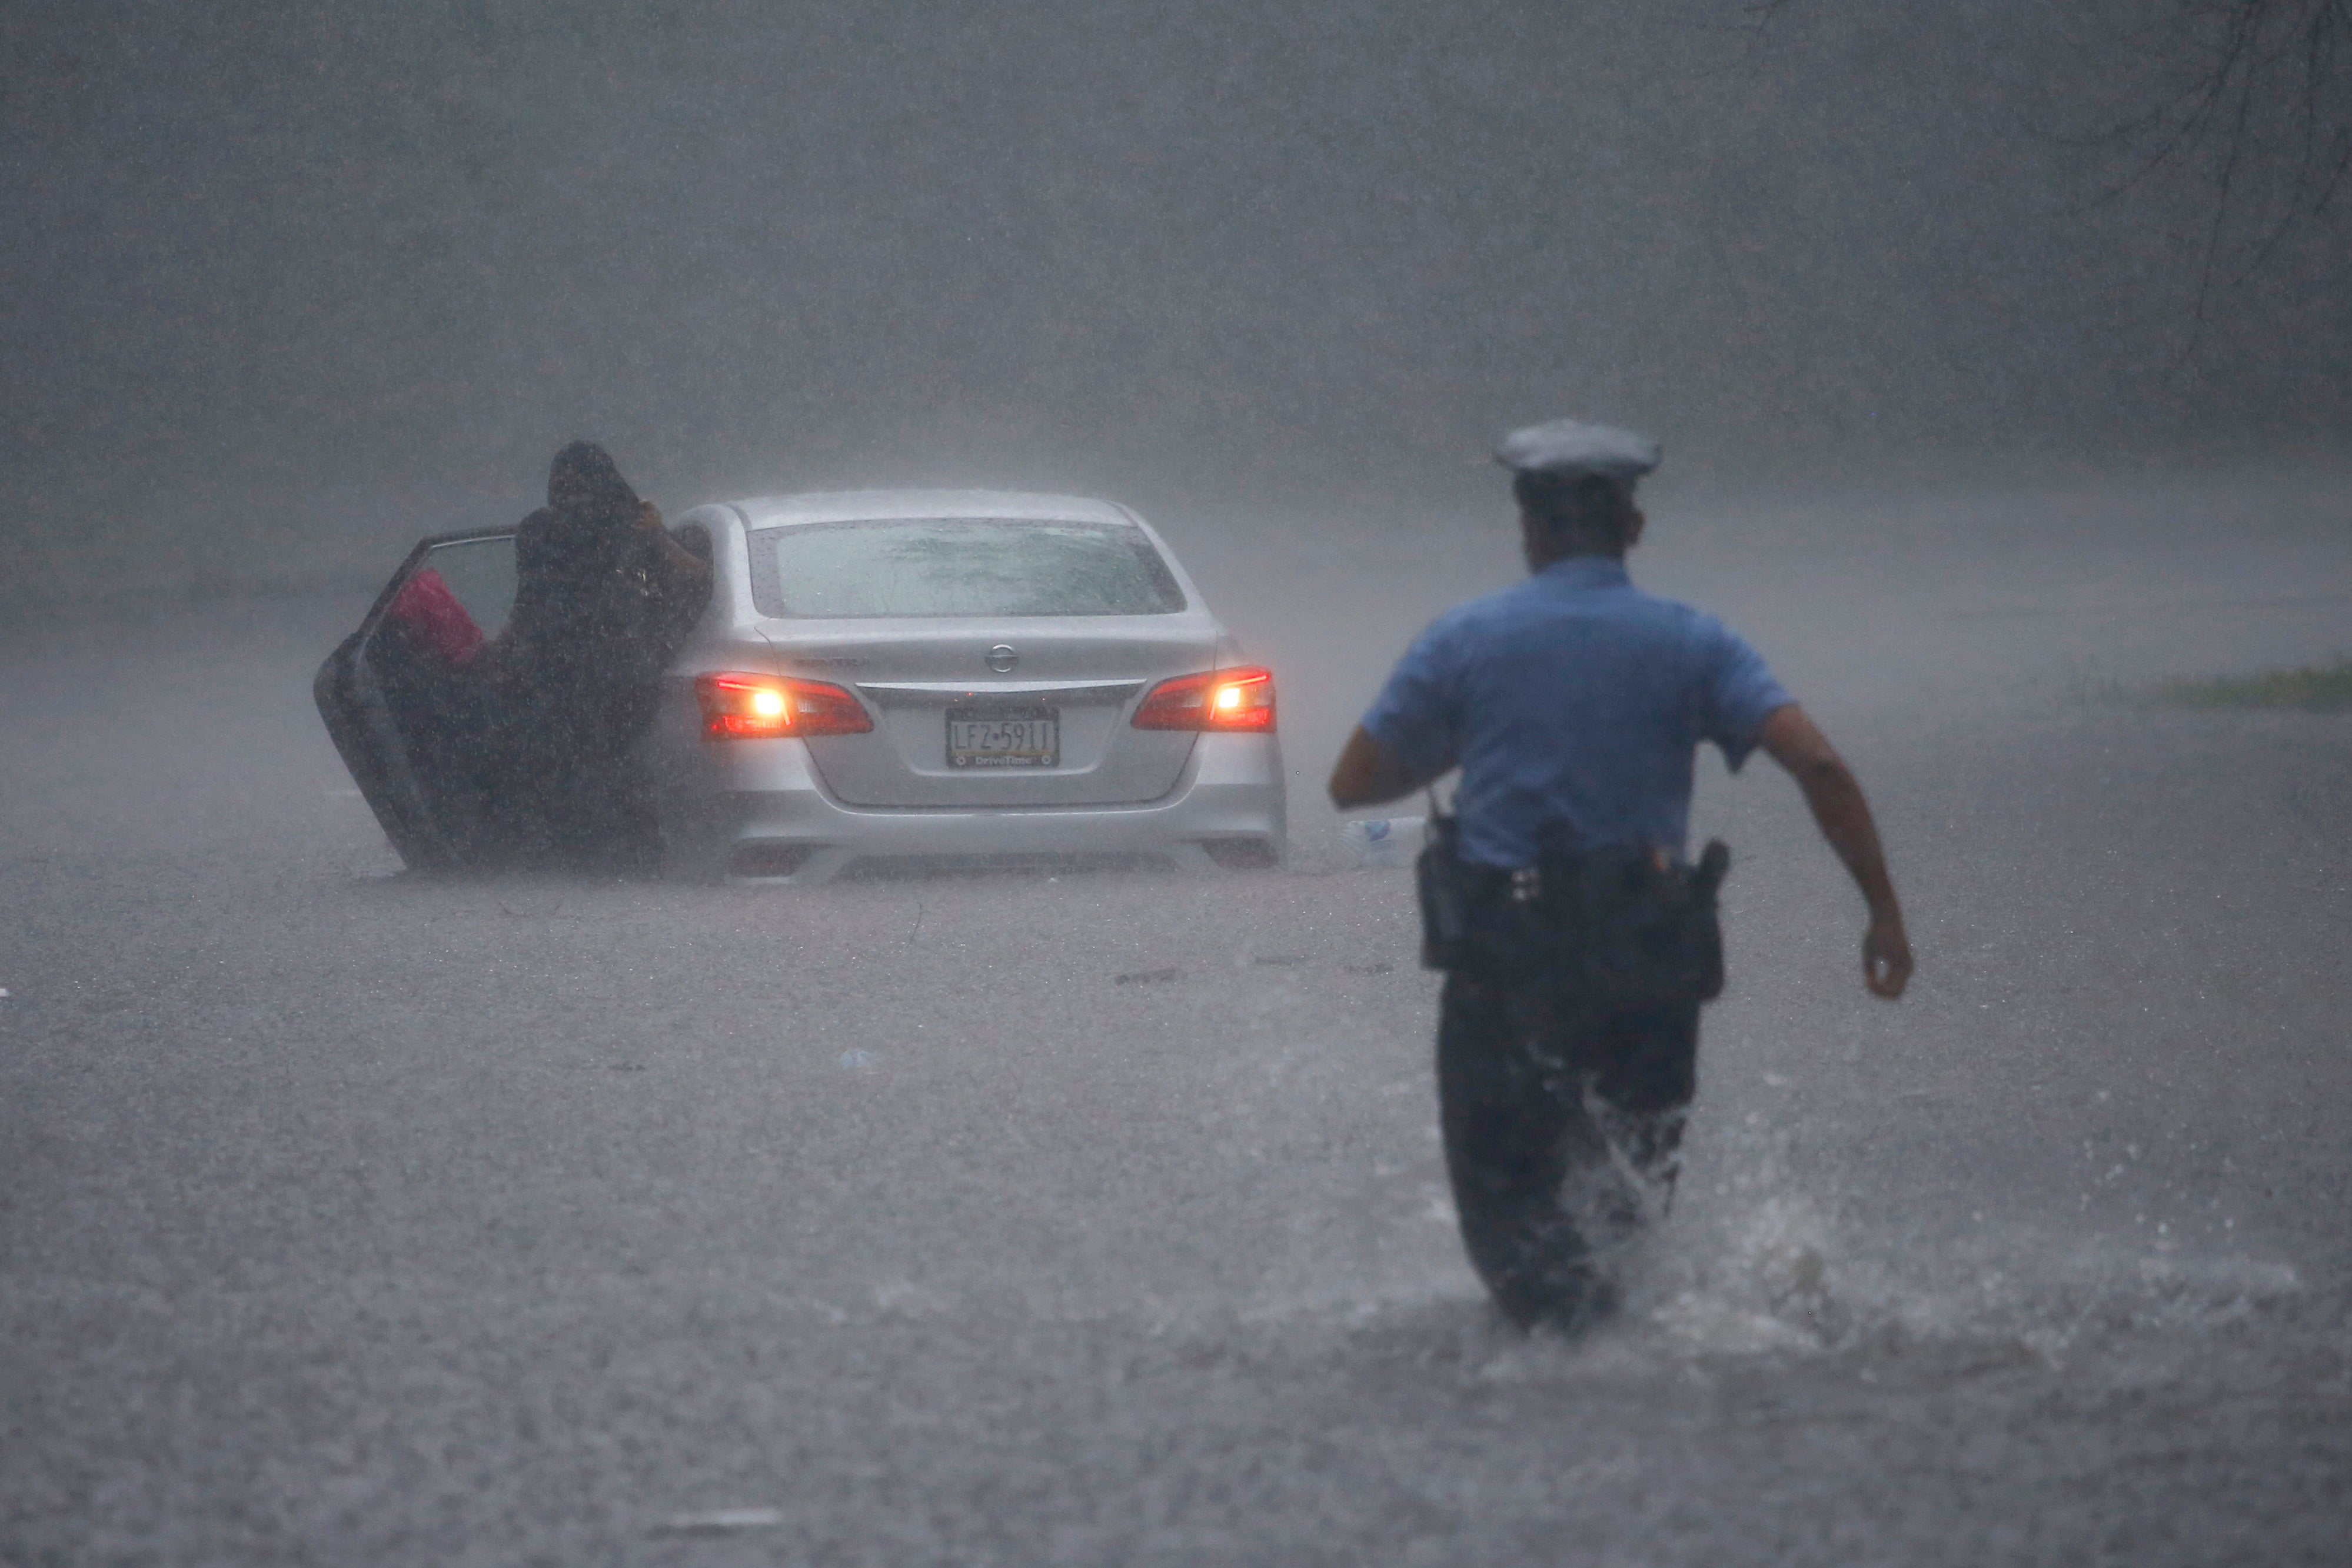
point(2248, 102)
point(2252, 67)
point(2260, 109)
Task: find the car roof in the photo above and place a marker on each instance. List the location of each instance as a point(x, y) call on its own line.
point(868, 505)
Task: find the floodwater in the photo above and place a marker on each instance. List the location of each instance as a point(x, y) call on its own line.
point(352, 1217)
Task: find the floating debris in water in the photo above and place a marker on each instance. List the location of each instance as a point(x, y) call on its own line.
point(719, 1521)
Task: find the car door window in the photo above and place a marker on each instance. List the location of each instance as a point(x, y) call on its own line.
point(480, 575)
point(405, 699)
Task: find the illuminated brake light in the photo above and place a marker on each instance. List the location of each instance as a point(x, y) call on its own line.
point(1240, 699)
point(772, 708)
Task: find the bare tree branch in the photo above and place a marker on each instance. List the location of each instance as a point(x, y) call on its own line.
point(2260, 107)
point(2273, 76)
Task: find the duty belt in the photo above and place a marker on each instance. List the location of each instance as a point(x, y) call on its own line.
point(1556, 876)
point(1636, 922)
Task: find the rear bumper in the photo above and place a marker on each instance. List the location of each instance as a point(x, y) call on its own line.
point(756, 810)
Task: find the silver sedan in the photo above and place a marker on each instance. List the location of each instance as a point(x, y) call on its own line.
point(912, 677)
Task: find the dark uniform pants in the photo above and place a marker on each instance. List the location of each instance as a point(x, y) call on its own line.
point(1562, 1117)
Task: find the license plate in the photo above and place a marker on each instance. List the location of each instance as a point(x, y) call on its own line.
point(1021, 735)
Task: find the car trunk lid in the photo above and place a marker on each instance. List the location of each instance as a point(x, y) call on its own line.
point(1015, 687)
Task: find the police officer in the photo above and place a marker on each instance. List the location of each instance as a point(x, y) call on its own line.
point(1582, 942)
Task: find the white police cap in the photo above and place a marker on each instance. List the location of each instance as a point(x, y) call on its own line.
point(1572, 447)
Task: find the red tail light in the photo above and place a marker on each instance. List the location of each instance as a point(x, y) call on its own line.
point(772, 708)
point(1240, 699)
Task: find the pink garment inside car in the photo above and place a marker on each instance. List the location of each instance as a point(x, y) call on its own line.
point(434, 618)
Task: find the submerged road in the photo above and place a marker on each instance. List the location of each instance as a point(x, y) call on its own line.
point(348, 1217)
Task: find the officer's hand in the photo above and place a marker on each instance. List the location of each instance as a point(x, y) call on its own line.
point(649, 516)
point(1885, 957)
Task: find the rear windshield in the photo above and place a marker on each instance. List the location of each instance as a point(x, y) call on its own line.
point(956, 566)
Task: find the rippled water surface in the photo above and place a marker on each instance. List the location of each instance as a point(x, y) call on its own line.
point(351, 1216)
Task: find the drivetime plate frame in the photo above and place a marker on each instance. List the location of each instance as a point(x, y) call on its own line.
point(1003, 735)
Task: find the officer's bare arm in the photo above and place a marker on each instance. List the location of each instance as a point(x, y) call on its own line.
point(1367, 774)
point(1797, 744)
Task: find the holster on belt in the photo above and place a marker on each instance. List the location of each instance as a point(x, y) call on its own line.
point(1450, 889)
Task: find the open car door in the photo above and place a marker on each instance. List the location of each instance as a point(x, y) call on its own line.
point(405, 697)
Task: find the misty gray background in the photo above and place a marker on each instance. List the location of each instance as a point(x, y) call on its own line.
point(283, 286)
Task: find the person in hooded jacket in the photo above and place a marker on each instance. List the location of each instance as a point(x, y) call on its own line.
point(603, 597)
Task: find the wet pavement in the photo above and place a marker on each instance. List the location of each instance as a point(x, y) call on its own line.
point(352, 1217)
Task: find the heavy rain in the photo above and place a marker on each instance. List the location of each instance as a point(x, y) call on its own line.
point(2002, 355)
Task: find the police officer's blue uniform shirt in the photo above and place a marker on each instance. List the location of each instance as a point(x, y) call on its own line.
point(1572, 698)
